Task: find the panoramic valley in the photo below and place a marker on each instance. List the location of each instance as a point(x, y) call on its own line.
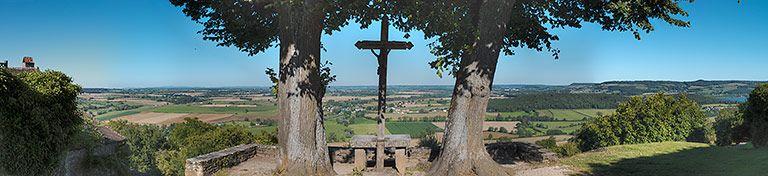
point(383, 88)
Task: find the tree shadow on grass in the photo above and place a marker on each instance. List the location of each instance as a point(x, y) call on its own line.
point(731, 160)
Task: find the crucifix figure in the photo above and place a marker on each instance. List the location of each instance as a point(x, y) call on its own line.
point(384, 46)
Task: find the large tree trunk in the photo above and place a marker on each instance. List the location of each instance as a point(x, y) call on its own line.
point(463, 151)
point(301, 136)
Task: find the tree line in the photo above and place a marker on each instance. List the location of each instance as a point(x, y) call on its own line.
point(554, 100)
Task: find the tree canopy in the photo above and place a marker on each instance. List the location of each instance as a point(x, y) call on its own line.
point(531, 22)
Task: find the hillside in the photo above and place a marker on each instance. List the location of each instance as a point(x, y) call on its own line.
point(701, 87)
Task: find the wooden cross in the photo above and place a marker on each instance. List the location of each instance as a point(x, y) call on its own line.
point(384, 46)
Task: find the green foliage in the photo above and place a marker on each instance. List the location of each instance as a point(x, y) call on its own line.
point(39, 115)
point(415, 129)
point(568, 149)
point(756, 115)
point(193, 138)
point(454, 24)
point(730, 127)
point(159, 150)
point(548, 143)
point(503, 130)
point(537, 101)
point(565, 150)
point(655, 118)
point(143, 141)
point(430, 142)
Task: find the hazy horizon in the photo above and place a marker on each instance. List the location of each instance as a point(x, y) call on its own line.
point(135, 44)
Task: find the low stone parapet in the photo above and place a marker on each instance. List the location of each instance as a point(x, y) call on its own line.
point(209, 164)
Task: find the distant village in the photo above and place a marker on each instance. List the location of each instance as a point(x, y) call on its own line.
point(28, 65)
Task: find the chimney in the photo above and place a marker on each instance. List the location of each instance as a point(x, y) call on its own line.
point(28, 62)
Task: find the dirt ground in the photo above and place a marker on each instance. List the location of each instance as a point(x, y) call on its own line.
point(170, 118)
point(265, 165)
point(153, 117)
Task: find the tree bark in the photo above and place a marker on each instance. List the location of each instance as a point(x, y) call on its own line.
point(463, 151)
point(301, 135)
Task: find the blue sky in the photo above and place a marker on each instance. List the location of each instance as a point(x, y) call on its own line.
point(149, 43)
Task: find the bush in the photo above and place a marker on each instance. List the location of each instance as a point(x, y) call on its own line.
point(193, 138)
point(143, 141)
point(549, 143)
point(730, 127)
point(655, 118)
point(503, 130)
point(565, 150)
point(756, 115)
point(568, 149)
point(38, 118)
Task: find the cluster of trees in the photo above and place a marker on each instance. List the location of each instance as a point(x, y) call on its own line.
point(554, 100)
point(654, 118)
point(499, 129)
point(748, 123)
point(420, 119)
point(469, 38)
point(157, 150)
point(38, 120)
point(525, 118)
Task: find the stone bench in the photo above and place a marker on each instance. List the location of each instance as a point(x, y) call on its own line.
point(360, 143)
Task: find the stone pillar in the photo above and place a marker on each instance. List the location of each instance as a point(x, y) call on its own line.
point(400, 160)
point(360, 159)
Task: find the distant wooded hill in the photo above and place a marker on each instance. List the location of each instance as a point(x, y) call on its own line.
point(701, 87)
point(554, 100)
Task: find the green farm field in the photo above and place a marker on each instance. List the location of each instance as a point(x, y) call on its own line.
point(562, 126)
point(415, 129)
point(116, 114)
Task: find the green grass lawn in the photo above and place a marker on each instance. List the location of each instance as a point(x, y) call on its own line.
point(415, 129)
point(215, 110)
point(672, 158)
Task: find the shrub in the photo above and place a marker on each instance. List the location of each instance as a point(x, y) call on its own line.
point(655, 118)
point(730, 127)
point(565, 150)
point(756, 115)
point(503, 130)
point(568, 149)
point(193, 138)
point(549, 143)
point(555, 132)
point(38, 118)
point(143, 141)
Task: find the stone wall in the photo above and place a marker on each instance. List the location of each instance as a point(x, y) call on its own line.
point(72, 164)
point(209, 164)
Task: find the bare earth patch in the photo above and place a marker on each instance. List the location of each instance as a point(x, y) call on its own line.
point(152, 117)
point(157, 118)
